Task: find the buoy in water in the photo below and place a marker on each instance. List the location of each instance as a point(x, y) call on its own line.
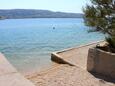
point(53, 27)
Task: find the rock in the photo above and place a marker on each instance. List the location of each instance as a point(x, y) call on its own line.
point(103, 46)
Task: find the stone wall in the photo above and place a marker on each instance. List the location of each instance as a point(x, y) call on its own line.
point(101, 62)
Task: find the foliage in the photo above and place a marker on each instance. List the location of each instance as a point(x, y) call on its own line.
point(101, 16)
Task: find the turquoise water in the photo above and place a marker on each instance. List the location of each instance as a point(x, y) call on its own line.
point(28, 43)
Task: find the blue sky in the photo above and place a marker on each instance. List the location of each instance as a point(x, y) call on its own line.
point(54, 5)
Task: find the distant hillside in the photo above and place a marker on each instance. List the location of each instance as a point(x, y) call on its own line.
point(30, 13)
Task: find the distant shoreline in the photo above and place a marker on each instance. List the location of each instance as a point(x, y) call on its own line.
point(39, 18)
point(24, 13)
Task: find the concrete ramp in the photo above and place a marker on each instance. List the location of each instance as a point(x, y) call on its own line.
point(9, 76)
point(76, 56)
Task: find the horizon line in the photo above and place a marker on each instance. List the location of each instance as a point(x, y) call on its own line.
point(36, 9)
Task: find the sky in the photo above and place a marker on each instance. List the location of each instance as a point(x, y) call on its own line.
point(74, 6)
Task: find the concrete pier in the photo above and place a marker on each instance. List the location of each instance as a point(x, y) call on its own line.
point(9, 76)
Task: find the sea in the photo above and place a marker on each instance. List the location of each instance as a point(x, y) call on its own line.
point(28, 43)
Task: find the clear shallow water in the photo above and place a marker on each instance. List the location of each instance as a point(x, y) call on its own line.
point(28, 43)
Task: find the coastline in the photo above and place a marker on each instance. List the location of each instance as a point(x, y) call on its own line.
point(57, 54)
point(59, 74)
point(54, 64)
point(66, 75)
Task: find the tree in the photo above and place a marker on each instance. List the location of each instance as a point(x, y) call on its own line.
point(100, 15)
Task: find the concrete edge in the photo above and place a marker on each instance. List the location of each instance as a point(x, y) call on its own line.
point(18, 78)
point(58, 59)
point(77, 47)
point(103, 51)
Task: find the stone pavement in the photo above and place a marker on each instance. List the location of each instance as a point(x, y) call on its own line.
point(9, 76)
